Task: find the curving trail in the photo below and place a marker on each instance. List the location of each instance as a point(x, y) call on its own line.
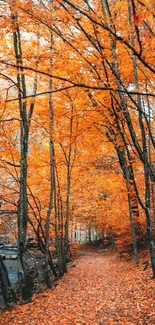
point(101, 289)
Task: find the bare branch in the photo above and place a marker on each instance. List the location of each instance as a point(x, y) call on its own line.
point(10, 119)
point(8, 212)
point(9, 163)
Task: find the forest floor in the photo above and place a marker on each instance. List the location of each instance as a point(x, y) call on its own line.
point(99, 288)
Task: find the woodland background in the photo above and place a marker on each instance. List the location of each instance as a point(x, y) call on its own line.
point(77, 141)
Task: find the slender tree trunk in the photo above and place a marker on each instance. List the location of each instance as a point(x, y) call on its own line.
point(59, 231)
point(149, 220)
point(68, 179)
point(66, 238)
point(48, 258)
point(23, 202)
point(126, 166)
point(89, 233)
point(132, 228)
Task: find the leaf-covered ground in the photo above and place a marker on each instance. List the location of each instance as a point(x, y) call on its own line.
point(101, 289)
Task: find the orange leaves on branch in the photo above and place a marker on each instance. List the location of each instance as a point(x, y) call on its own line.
point(138, 19)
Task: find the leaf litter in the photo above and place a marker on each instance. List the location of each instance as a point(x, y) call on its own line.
point(101, 290)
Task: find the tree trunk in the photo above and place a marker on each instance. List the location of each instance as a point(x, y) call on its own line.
point(133, 230)
point(48, 258)
point(24, 133)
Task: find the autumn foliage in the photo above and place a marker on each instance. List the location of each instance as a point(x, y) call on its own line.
point(77, 116)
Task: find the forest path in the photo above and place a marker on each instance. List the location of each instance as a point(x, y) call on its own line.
point(100, 289)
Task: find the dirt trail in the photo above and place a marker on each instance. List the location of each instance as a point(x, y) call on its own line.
point(100, 289)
